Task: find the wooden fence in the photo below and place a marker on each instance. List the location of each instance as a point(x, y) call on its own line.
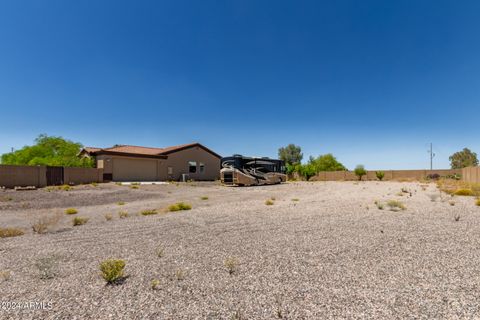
point(24, 176)
point(471, 174)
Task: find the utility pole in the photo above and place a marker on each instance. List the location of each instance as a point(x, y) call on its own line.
point(432, 155)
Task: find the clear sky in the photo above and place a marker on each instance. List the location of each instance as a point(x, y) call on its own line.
point(373, 82)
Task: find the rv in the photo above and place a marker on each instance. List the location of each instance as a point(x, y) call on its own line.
point(238, 170)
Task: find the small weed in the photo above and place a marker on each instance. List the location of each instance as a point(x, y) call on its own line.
point(134, 186)
point(11, 232)
point(118, 183)
point(204, 198)
point(160, 252)
point(108, 216)
point(396, 205)
point(272, 198)
point(456, 217)
point(155, 283)
point(231, 263)
point(180, 274)
point(123, 214)
point(112, 270)
point(46, 223)
point(269, 202)
point(65, 187)
point(464, 192)
point(94, 184)
point(148, 212)
point(47, 267)
point(477, 202)
point(78, 221)
point(295, 199)
point(71, 211)
point(120, 203)
point(179, 206)
point(5, 276)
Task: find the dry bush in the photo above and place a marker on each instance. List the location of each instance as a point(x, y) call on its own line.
point(123, 214)
point(160, 252)
point(396, 205)
point(295, 199)
point(46, 223)
point(112, 270)
point(464, 192)
point(120, 203)
point(204, 198)
point(269, 202)
point(179, 206)
point(11, 232)
point(108, 216)
point(180, 274)
point(379, 205)
point(231, 263)
point(5, 276)
point(477, 202)
point(78, 221)
point(71, 211)
point(47, 267)
point(155, 283)
point(134, 186)
point(148, 212)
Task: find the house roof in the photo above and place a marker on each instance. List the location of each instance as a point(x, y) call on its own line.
point(145, 151)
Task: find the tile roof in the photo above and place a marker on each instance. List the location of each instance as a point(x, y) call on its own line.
point(146, 150)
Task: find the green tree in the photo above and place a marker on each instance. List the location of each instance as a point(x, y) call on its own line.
point(326, 162)
point(360, 171)
point(51, 151)
point(464, 158)
point(380, 175)
point(290, 154)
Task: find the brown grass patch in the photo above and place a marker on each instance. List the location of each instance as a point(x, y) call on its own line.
point(11, 232)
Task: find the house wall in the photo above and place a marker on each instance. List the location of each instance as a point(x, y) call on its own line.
point(179, 163)
point(133, 168)
point(23, 176)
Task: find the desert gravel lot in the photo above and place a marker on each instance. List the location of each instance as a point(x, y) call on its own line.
point(331, 254)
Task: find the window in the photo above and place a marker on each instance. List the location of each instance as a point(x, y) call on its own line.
point(170, 170)
point(192, 166)
point(202, 167)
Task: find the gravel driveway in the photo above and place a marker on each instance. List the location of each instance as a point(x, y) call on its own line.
point(322, 250)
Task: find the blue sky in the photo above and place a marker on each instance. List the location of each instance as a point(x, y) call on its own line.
point(373, 82)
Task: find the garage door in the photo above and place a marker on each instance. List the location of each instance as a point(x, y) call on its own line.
point(134, 169)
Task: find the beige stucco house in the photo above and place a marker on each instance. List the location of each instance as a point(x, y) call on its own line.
point(134, 163)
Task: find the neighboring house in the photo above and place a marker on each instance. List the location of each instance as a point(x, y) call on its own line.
point(133, 163)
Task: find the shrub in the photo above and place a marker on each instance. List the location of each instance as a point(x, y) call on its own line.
point(112, 270)
point(204, 198)
point(360, 171)
point(380, 175)
point(155, 283)
point(46, 223)
point(180, 274)
point(108, 216)
point(120, 203)
point(396, 205)
point(11, 232)
point(295, 199)
point(231, 264)
point(47, 267)
point(433, 176)
point(123, 214)
point(134, 186)
point(464, 192)
point(71, 211)
point(160, 252)
point(269, 202)
point(148, 212)
point(94, 184)
point(179, 206)
point(78, 221)
point(379, 205)
point(477, 202)
point(5, 276)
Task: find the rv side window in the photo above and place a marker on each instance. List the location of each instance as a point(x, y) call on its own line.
point(192, 167)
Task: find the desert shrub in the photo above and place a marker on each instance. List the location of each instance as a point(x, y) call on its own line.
point(396, 205)
point(360, 171)
point(269, 202)
point(94, 184)
point(148, 212)
point(78, 221)
point(179, 206)
point(464, 192)
point(46, 223)
point(123, 214)
point(108, 216)
point(433, 176)
point(155, 283)
point(204, 198)
point(5, 276)
point(11, 232)
point(71, 211)
point(47, 267)
point(112, 270)
point(477, 202)
point(231, 263)
point(160, 252)
point(295, 199)
point(118, 183)
point(180, 274)
point(134, 186)
point(380, 175)
point(120, 203)
point(379, 205)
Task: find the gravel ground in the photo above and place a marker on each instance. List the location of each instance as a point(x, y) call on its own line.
point(331, 254)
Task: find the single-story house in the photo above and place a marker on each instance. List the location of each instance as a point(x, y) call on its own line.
point(134, 163)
